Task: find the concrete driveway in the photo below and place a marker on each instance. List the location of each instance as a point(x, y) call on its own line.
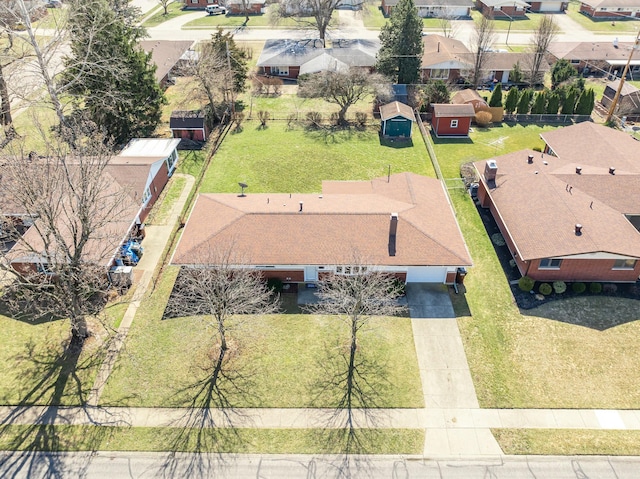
point(429, 300)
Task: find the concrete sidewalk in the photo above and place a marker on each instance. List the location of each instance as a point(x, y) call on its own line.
point(156, 239)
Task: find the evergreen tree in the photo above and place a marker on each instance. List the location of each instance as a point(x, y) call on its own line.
point(400, 54)
point(524, 102)
point(553, 103)
point(112, 80)
point(516, 75)
point(496, 96)
point(561, 71)
point(435, 91)
point(569, 103)
point(511, 102)
point(585, 102)
point(539, 103)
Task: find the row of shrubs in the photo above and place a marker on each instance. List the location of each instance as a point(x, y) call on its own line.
point(558, 287)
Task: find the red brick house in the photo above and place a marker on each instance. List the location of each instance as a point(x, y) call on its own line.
point(189, 125)
point(434, 8)
point(403, 225)
point(547, 6)
point(604, 57)
point(237, 7)
point(503, 8)
point(444, 58)
point(571, 213)
point(610, 8)
point(452, 120)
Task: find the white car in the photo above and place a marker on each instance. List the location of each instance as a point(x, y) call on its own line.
point(215, 10)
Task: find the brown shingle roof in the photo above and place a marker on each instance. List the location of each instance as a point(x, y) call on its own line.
point(592, 51)
point(396, 108)
point(165, 54)
point(466, 96)
point(438, 49)
point(268, 229)
point(540, 204)
point(443, 109)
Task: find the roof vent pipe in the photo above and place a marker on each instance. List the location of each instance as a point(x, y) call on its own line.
point(578, 170)
point(530, 159)
point(578, 229)
point(612, 170)
point(301, 203)
point(393, 230)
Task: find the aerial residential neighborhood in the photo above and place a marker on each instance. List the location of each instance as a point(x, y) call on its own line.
point(320, 239)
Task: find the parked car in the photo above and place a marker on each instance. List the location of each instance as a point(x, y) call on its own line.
point(215, 10)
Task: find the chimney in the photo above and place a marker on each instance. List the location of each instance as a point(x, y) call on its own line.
point(301, 203)
point(438, 47)
point(393, 229)
point(578, 170)
point(530, 159)
point(612, 170)
point(578, 229)
point(490, 170)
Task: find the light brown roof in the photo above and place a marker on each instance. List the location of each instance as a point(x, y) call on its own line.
point(466, 96)
point(165, 54)
point(268, 229)
point(503, 61)
point(591, 51)
point(627, 88)
point(540, 204)
point(588, 143)
point(439, 49)
point(444, 109)
point(396, 108)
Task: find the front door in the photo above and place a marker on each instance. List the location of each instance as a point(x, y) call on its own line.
point(310, 273)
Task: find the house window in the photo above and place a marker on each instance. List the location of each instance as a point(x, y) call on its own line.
point(351, 270)
point(195, 1)
point(212, 1)
point(146, 196)
point(624, 264)
point(439, 73)
point(171, 160)
point(549, 263)
point(454, 123)
point(44, 268)
point(575, 62)
point(497, 9)
point(280, 71)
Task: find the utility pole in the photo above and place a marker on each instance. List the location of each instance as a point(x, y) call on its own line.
point(616, 97)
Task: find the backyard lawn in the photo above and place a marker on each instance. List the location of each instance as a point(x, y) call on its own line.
point(277, 360)
point(276, 159)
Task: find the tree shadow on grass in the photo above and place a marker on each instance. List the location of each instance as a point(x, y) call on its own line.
point(210, 420)
point(33, 425)
point(396, 143)
point(354, 384)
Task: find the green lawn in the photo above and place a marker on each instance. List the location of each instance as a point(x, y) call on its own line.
point(485, 143)
point(174, 10)
point(372, 16)
point(568, 442)
point(528, 23)
point(265, 20)
point(537, 360)
point(622, 25)
point(279, 160)
point(246, 441)
point(278, 360)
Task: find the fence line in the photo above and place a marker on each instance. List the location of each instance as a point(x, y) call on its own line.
point(430, 150)
point(545, 118)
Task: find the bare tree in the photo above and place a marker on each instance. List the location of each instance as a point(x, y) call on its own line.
point(355, 294)
point(165, 5)
point(446, 17)
point(80, 216)
point(344, 88)
point(542, 38)
point(481, 41)
point(313, 13)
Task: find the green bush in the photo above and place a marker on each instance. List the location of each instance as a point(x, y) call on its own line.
point(274, 284)
point(579, 288)
point(595, 288)
point(559, 287)
point(525, 283)
point(545, 289)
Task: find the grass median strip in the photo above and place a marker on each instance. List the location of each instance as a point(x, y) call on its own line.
point(247, 441)
point(568, 442)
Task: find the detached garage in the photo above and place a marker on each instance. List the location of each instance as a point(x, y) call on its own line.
point(397, 120)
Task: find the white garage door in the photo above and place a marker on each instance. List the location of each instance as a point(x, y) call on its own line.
point(426, 274)
point(550, 6)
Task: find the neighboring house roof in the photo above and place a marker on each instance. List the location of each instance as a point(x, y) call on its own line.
point(150, 147)
point(443, 52)
point(589, 144)
point(448, 110)
point(394, 109)
point(165, 54)
point(505, 3)
point(186, 119)
point(541, 202)
point(269, 229)
point(434, 3)
point(465, 96)
point(611, 3)
point(594, 51)
point(345, 53)
point(504, 61)
point(627, 88)
point(241, 2)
